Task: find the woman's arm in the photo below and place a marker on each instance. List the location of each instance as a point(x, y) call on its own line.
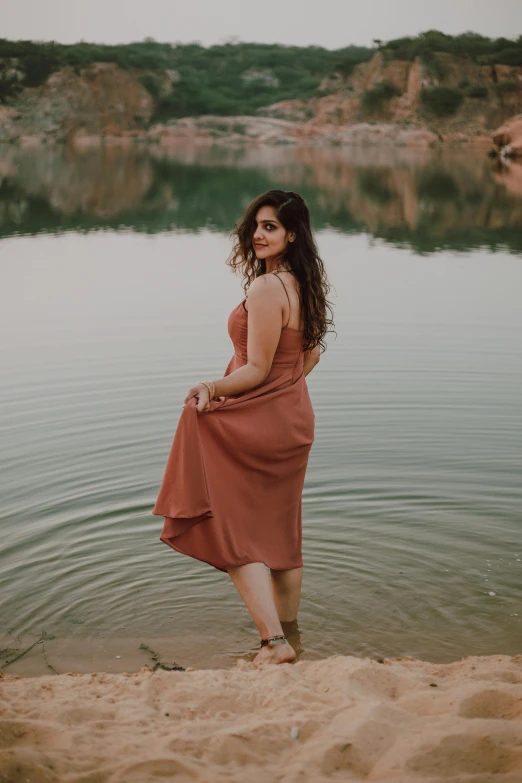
point(265, 319)
point(311, 358)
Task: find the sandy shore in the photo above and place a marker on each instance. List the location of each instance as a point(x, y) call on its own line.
point(342, 718)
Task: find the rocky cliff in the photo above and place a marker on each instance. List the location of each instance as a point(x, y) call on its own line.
point(101, 99)
point(488, 95)
point(420, 102)
point(508, 138)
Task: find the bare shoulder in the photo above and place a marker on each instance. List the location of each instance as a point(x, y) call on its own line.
point(263, 287)
point(264, 283)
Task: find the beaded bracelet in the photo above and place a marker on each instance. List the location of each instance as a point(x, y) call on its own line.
point(211, 388)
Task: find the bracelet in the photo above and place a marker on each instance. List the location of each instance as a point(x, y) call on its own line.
point(211, 388)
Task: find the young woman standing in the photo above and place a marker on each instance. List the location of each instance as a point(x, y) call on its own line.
point(232, 488)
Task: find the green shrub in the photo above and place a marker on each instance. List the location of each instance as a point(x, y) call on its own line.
point(433, 65)
point(506, 87)
point(346, 59)
point(472, 46)
point(442, 101)
point(152, 84)
point(38, 67)
point(373, 99)
point(477, 91)
point(9, 87)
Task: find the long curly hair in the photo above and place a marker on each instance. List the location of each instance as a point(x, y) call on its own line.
point(301, 256)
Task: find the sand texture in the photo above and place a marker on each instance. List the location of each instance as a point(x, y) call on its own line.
point(342, 718)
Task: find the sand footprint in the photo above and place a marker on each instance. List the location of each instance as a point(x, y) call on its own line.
point(18, 765)
point(469, 754)
point(492, 704)
point(156, 769)
point(15, 733)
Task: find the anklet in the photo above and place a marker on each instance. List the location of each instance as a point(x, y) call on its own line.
point(274, 639)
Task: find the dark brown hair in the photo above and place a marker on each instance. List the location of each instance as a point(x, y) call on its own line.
point(301, 256)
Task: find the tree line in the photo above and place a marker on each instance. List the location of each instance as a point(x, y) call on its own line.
point(234, 78)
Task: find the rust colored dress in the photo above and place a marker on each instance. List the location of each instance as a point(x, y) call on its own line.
point(232, 487)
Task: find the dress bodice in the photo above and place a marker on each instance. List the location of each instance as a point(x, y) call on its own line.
point(290, 343)
point(287, 369)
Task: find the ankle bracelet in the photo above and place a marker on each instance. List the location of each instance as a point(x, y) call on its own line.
point(274, 640)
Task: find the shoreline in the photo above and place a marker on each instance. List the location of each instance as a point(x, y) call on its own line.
point(53, 653)
point(342, 717)
point(247, 132)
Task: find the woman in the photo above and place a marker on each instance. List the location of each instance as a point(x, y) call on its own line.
point(231, 493)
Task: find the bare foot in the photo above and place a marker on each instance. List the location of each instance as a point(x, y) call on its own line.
point(278, 653)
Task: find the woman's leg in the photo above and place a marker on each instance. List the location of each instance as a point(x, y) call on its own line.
point(286, 589)
point(254, 586)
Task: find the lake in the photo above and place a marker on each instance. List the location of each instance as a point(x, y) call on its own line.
point(114, 302)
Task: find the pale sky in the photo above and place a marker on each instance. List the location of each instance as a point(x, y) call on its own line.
point(328, 23)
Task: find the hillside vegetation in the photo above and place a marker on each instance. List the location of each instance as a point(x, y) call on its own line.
point(411, 91)
point(234, 78)
point(238, 78)
point(477, 48)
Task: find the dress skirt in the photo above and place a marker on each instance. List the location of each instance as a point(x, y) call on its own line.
point(231, 493)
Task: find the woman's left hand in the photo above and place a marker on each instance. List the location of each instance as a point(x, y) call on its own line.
point(202, 394)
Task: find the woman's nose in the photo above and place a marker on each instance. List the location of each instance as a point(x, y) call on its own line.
point(258, 235)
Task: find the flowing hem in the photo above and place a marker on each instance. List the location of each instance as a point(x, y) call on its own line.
point(222, 566)
point(179, 524)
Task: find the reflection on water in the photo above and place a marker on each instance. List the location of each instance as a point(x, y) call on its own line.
point(412, 501)
point(425, 200)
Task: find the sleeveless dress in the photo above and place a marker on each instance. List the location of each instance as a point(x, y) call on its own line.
point(232, 487)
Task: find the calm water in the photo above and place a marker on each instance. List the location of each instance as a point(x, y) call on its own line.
point(412, 507)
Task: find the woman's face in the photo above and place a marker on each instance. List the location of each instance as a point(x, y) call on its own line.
point(270, 237)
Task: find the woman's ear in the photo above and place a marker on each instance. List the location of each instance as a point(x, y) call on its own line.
point(291, 237)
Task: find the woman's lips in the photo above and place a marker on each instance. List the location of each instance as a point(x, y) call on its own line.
point(256, 245)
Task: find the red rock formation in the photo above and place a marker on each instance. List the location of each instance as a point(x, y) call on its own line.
point(475, 118)
point(101, 99)
point(508, 138)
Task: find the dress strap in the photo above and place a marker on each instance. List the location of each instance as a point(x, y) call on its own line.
point(286, 292)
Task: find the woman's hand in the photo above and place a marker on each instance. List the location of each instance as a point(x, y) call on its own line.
point(202, 395)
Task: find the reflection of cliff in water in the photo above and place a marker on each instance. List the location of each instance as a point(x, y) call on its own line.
point(426, 200)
